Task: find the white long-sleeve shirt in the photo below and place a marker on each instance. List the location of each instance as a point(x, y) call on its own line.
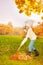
point(30, 34)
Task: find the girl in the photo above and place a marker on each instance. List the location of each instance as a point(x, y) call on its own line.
point(32, 36)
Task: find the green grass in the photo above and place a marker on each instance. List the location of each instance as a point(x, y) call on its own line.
point(9, 45)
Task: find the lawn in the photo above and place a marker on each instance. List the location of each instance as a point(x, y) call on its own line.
point(9, 45)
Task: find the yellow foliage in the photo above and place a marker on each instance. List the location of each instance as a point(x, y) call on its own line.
point(28, 6)
point(38, 29)
point(6, 29)
point(42, 17)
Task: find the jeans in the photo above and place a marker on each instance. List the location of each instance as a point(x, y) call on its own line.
point(31, 46)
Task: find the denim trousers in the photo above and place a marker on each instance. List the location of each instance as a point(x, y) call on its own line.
point(31, 46)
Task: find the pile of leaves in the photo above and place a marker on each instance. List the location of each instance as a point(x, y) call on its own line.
point(20, 56)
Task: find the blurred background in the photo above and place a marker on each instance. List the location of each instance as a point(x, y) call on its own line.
point(13, 23)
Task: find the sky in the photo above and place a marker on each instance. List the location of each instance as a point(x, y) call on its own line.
point(10, 13)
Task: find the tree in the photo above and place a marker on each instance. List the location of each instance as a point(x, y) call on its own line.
point(6, 30)
point(39, 29)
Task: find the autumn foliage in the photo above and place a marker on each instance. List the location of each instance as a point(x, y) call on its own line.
point(21, 56)
point(28, 6)
point(10, 30)
point(39, 29)
point(5, 29)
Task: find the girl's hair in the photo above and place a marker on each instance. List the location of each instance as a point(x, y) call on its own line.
point(29, 23)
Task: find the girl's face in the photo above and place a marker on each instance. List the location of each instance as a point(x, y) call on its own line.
point(26, 28)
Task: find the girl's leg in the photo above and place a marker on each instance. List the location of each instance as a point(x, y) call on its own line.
point(31, 46)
